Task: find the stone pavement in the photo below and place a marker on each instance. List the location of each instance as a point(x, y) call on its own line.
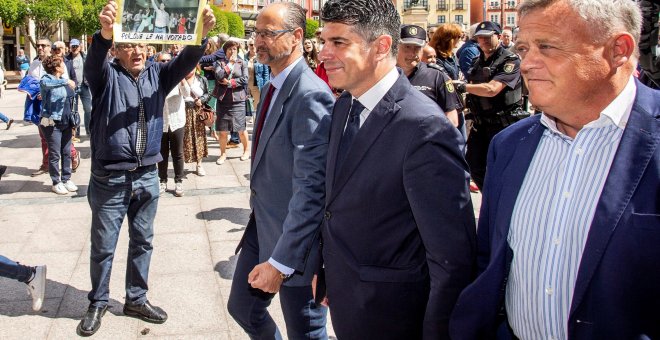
point(192, 263)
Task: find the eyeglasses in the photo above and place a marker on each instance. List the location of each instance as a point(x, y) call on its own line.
point(75, 46)
point(164, 60)
point(125, 47)
point(42, 45)
point(271, 34)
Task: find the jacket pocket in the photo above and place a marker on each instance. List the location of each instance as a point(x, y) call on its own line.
point(371, 273)
point(646, 221)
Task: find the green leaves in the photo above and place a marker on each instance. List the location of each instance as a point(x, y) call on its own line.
point(227, 22)
point(88, 21)
point(13, 12)
point(312, 26)
point(221, 23)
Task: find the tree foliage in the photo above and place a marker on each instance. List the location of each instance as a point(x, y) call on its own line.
point(236, 28)
point(13, 12)
point(46, 14)
point(88, 21)
point(312, 26)
point(221, 24)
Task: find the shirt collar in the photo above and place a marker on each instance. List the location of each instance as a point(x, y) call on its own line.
point(617, 112)
point(372, 97)
point(278, 80)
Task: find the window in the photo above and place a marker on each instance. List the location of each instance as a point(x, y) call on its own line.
point(316, 5)
point(458, 19)
point(495, 18)
point(415, 3)
point(441, 19)
point(459, 5)
point(511, 19)
point(442, 5)
point(511, 4)
point(494, 4)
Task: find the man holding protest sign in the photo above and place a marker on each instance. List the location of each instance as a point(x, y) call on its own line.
point(127, 125)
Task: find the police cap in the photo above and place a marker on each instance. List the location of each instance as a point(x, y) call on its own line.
point(413, 35)
point(487, 28)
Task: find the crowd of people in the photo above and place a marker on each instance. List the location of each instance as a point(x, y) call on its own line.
point(158, 19)
point(365, 143)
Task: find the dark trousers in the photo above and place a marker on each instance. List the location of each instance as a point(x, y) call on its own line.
point(172, 142)
point(14, 270)
point(477, 150)
point(248, 306)
point(59, 148)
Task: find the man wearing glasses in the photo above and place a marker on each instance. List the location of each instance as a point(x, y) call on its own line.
point(126, 124)
point(280, 247)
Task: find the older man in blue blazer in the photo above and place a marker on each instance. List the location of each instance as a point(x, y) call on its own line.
point(279, 250)
point(399, 229)
point(569, 232)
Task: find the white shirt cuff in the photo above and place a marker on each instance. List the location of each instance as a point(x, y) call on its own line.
point(282, 268)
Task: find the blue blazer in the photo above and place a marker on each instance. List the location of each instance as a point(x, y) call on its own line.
point(288, 172)
point(398, 216)
point(617, 292)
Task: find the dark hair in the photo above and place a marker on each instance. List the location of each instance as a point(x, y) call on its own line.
point(44, 38)
point(370, 18)
point(295, 17)
point(229, 44)
point(51, 63)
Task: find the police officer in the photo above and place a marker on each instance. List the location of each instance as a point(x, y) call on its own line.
point(494, 95)
point(431, 80)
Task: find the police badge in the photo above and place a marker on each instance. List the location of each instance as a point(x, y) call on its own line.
point(450, 86)
point(508, 68)
point(412, 30)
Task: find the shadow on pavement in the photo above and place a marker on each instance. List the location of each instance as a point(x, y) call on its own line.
point(23, 141)
point(55, 308)
point(234, 215)
point(226, 268)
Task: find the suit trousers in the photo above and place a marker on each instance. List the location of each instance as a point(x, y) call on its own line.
point(248, 306)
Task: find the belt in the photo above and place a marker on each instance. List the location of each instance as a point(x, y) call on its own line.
point(140, 168)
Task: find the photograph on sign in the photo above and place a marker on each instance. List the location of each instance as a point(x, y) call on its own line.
point(159, 21)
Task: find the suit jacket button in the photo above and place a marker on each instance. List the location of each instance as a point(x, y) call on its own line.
point(327, 215)
point(253, 192)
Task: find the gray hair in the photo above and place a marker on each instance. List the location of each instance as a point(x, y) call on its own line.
point(604, 17)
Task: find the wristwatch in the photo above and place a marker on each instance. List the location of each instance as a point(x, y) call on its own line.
point(285, 277)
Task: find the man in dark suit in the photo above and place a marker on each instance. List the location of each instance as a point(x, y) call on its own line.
point(570, 220)
point(280, 247)
point(398, 233)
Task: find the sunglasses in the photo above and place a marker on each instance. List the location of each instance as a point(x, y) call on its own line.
point(164, 60)
point(42, 45)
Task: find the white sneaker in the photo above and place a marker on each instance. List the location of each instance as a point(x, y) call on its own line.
point(178, 189)
point(200, 171)
point(70, 186)
point(60, 189)
point(163, 187)
point(221, 160)
point(37, 287)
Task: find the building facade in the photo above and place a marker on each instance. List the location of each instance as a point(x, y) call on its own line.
point(430, 13)
point(502, 12)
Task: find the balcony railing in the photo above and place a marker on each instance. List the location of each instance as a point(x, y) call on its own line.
point(459, 7)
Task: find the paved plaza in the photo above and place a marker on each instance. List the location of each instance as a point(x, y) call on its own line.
point(192, 262)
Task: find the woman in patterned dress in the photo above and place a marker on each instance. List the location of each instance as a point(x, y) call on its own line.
point(195, 147)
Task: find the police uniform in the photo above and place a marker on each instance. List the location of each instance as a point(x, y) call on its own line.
point(431, 80)
point(492, 114)
point(435, 84)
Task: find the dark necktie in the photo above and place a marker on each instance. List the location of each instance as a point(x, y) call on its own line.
point(352, 127)
point(262, 119)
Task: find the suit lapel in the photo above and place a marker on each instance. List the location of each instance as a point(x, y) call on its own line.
point(515, 171)
point(340, 115)
point(381, 115)
point(638, 144)
point(276, 111)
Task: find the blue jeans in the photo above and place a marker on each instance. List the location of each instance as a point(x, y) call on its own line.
point(14, 270)
point(4, 118)
point(248, 306)
point(59, 148)
point(112, 195)
point(85, 96)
